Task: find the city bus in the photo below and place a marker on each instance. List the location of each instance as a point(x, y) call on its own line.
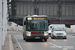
point(35, 27)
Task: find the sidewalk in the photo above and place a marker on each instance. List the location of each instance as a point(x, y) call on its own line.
point(6, 43)
point(10, 43)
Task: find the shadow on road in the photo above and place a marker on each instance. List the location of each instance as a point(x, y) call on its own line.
point(35, 40)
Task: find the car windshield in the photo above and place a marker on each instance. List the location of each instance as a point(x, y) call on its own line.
point(37, 25)
point(58, 29)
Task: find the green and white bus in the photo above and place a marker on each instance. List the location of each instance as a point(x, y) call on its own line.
point(35, 27)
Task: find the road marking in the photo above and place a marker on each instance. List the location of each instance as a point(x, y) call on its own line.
point(18, 42)
point(52, 44)
point(57, 46)
point(65, 49)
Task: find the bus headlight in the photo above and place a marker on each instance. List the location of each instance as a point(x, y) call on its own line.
point(64, 34)
point(54, 33)
point(45, 34)
point(28, 33)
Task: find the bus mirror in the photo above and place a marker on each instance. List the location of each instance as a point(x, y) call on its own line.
point(24, 23)
point(50, 26)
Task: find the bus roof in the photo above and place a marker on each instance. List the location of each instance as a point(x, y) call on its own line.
point(36, 16)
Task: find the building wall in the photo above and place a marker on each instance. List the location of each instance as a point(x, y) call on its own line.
point(23, 9)
point(51, 8)
point(3, 21)
point(44, 0)
point(68, 10)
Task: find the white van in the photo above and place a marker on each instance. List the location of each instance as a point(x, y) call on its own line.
point(49, 30)
point(57, 31)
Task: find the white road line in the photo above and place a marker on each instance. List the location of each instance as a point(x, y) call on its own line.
point(18, 42)
point(52, 44)
point(57, 46)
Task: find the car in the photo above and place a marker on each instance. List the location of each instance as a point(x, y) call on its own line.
point(58, 31)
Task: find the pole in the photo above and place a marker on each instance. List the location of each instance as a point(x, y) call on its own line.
point(17, 23)
point(59, 8)
point(6, 15)
point(0, 24)
point(59, 13)
point(35, 6)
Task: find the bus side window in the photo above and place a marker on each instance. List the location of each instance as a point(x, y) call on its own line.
point(24, 22)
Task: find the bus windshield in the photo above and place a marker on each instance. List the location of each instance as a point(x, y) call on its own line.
point(37, 25)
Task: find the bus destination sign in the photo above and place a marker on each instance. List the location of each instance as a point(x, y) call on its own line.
point(38, 18)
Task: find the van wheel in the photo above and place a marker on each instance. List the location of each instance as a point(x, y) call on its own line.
point(65, 38)
point(52, 37)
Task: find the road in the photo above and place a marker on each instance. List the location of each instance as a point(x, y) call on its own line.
point(51, 44)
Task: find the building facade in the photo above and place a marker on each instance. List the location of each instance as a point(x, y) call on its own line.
point(55, 9)
point(52, 8)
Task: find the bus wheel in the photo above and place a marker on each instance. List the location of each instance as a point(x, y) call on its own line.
point(45, 40)
point(26, 39)
point(23, 38)
point(52, 37)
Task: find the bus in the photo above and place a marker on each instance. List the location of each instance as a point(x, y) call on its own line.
point(35, 27)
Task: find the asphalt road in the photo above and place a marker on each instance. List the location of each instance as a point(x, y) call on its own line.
point(51, 44)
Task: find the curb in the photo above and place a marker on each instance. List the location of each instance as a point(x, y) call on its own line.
point(10, 43)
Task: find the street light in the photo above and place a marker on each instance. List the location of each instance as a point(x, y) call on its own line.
point(17, 23)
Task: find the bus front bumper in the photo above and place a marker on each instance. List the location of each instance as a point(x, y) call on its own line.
point(36, 37)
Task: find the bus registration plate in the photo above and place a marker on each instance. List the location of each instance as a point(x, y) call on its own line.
point(37, 37)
